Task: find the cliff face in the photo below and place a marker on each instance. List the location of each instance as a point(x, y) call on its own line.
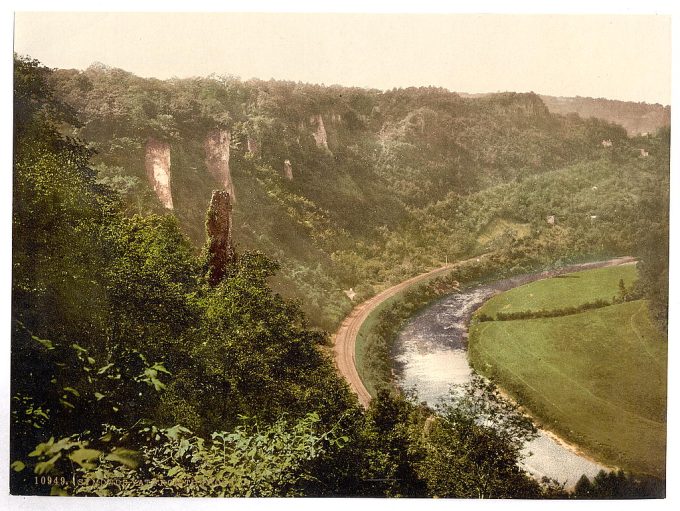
point(217, 159)
point(320, 135)
point(288, 170)
point(397, 153)
point(157, 164)
point(218, 226)
point(252, 146)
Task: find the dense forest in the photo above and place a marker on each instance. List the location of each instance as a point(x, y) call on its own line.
point(345, 186)
point(136, 373)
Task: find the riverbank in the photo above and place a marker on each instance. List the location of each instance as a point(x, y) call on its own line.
point(431, 355)
point(345, 339)
point(597, 379)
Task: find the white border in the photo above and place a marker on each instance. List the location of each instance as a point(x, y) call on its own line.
point(348, 6)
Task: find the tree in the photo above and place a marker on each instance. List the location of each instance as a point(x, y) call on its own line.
point(249, 461)
point(114, 323)
point(618, 485)
point(390, 458)
point(472, 446)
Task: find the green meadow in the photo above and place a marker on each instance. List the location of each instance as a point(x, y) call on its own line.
point(569, 290)
point(597, 378)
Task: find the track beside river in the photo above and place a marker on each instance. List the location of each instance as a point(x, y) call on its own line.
point(431, 355)
point(345, 339)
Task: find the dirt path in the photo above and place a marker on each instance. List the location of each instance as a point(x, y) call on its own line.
point(344, 340)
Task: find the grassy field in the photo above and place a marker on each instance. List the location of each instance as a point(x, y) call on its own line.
point(597, 378)
point(564, 291)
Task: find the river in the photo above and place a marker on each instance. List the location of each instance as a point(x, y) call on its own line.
point(431, 355)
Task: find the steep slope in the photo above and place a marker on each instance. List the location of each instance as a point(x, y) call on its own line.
point(337, 183)
point(157, 164)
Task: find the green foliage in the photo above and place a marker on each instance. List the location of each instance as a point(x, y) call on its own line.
point(114, 323)
point(653, 234)
point(472, 446)
point(368, 210)
point(152, 277)
point(66, 389)
point(388, 438)
point(471, 462)
point(246, 462)
point(468, 449)
point(407, 450)
point(252, 353)
point(543, 313)
point(115, 329)
point(618, 485)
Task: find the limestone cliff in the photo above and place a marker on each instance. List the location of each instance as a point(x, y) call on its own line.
point(320, 135)
point(217, 159)
point(288, 170)
point(157, 164)
point(252, 146)
point(218, 226)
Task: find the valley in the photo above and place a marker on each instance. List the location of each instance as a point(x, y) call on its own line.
point(359, 188)
point(184, 248)
point(431, 355)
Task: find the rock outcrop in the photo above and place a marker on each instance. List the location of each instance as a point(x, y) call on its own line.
point(288, 170)
point(217, 159)
point(157, 164)
point(253, 148)
point(320, 135)
point(218, 228)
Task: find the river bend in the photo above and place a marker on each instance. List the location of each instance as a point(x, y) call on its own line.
point(430, 355)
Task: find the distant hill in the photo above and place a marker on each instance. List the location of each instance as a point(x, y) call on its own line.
point(637, 118)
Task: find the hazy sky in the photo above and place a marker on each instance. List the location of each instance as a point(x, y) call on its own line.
point(619, 57)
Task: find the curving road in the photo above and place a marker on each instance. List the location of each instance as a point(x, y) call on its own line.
point(547, 455)
point(344, 340)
